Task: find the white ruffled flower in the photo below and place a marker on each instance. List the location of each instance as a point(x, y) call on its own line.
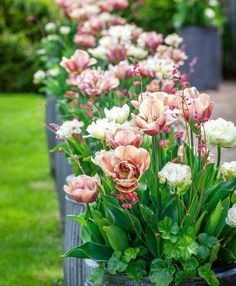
point(52, 37)
point(173, 40)
point(137, 52)
point(68, 128)
point(220, 132)
point(231, 217)
point(118, 114)
point(98, 52)
point(176, 175)
point(50, 27)
point(209, 13)
point(53, 72)
point(98, 157)
point(64, 30)
point(39, 76)
point(97, 129)
point(229, 170)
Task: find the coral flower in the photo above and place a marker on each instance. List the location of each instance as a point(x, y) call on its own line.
point(83, 188)
point(125, 165)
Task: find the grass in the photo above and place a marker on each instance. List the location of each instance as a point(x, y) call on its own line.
point(30, 236)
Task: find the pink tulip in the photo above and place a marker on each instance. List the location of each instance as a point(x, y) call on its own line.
point(96, 82)
point(117, 53)
point(118, 4)
point(121, 71)
point(124, 137)
point(85, 40)
point(83, 188)
point(152, 40)
point(125, 165)
point(78, 62)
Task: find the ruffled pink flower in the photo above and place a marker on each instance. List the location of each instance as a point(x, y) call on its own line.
point(78, 62)
point(118, 4)
point(83, 188)
point(124, 137)
point(85, 40)
point(125, 166)
point(117, 53)
point(96, 82)
point(196, 105)
point(166, 85)
point(121, 70)
point(152, 40)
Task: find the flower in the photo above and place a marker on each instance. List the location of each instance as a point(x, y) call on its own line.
point(85, 40)
point(209, 13)
point(196, 105)
point(64, 30)
point(231, 217)
point(137, 52)
point(176, 175)
point(78, 62)
point(153, 116)
point(221, 133)
point(83, 188)
point(229, 170)
point(96, 82)
point(150, 40)
point(121, 136)
point(98, 157)
point(50, 27)
point(173, 40)
point(98, 128)
point(39, 76)
point(121, 70)
point(117, 53)
point(125, 165)
point(54, 72)
point(68, 128)
point(118, 114)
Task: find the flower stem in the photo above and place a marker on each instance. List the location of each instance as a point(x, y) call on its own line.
point(218, 160)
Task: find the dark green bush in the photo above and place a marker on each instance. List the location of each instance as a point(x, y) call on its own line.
point(21, 29)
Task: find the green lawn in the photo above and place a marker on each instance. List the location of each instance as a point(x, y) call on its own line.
point(30, 236)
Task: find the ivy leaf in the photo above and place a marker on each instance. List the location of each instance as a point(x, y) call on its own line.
point(168, 229)
point(136, 270)
point(96, 275)
point(130, 254)
point(161, 272)
point(115, 264)
point(208, 275)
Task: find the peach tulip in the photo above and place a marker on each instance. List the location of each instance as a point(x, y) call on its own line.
point(83, 188)
point(125, 166)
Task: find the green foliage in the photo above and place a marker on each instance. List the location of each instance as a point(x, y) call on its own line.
point(207, 274)
point(19, 40)
point(161, 272)
point(96, 275)
point(115, 264)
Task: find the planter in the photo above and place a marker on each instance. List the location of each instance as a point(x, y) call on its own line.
point(63, 169)
point(51, 117)
point(227, 277)
point(204, 43)
point(74, 269)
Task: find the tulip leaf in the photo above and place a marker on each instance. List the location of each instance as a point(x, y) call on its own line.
point(208, 275)
point(148, 216)
point(214, 219)
point(151, 241)
point(95, 231)
point(161, 272)
point(116, 237)
point(91, 250)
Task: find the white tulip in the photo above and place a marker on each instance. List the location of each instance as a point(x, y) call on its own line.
point(98, 157)
point(99, 127)
point(39, 76)
point(64, 30)
point(231, 217)
point(173, 40)
point(68, 128)
point(50, 27)
point(53, 72)
point(221, 133)
point(118, 114)
point(176, 175)
point(229, 170)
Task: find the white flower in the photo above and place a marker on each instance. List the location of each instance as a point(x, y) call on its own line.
point(41, 52)
point(68, 128)
point(176, 175)
point(209, 13)
point(98, 128)
point(229, 170)
point(65, 30)
point(231, 217)
point(173, 40)
point(213, 2)
point(137, 52)
point(53, 72)
point(50, 27)
point(52, 37)
point(118, 114)
point(220, 132)
point(39, 76)
point(98, 157)
point(99, 52)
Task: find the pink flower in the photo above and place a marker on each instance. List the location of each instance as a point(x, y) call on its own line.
point(85, 40)
point(79, 62)
point(125, 166)
point(83, 188)
point(118, 4)
point(151, 40)
point(124, 137)
point(117, 53)
point(121, 70)
point(196, 105)
point(96, 82)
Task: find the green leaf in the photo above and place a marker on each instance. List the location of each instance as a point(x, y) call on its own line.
point(136, 270)
point(187, 247)
point(96, 275)
point(214, 219)
point(115, 264)
point(90, 250)
point(151, 241)
point(116, 237)
point(130, 254)
point(168, 229)
point(161, 272)
point(148, 216)
point(208, 275)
